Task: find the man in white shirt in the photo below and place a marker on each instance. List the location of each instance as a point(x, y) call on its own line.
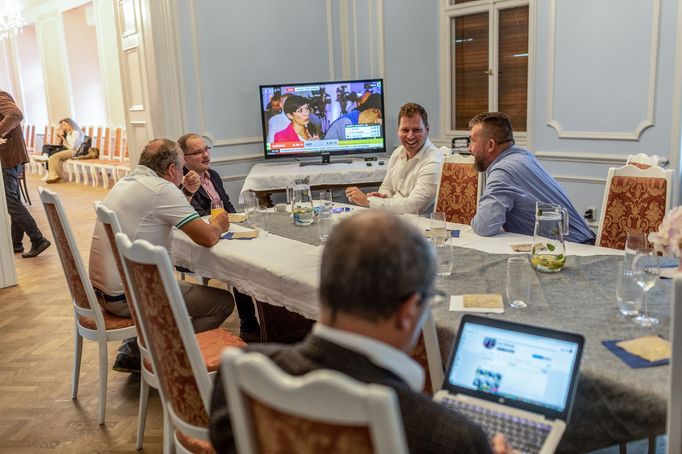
point(413, 171)
point(149, 204)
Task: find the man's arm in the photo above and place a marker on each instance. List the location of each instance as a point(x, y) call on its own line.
point(207, 234)
point(491, 213)
point(12, 115)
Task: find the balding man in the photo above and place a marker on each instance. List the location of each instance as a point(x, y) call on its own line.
point(148, 204)
point(374, 293)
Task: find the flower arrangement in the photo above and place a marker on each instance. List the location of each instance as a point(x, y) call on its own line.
point(668, 239)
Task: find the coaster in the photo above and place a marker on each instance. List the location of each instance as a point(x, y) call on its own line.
point(245, 235)
point(236, 217)
point(491, 303)
point(522, 247)
point(631, 360)
point(651, 348)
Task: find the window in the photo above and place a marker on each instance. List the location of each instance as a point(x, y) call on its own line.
point(488, 62)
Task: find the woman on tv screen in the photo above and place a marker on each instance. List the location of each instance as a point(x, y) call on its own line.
point(297, 110)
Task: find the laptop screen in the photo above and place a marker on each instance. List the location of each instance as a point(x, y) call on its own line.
point(515, 365)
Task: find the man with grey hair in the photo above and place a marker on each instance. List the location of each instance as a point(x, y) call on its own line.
point(148, 204)
point(374, 292)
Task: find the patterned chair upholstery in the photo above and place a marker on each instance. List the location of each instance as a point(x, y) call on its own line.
point(91, 322)
point(459, 189)
point(635, 200)
point(176, 357)
point(273, 412)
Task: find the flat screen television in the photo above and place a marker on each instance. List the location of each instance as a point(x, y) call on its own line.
point(323, 119)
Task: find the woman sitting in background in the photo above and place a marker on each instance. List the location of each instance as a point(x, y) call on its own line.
point(69, 137)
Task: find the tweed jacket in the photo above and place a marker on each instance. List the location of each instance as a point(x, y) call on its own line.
point(429, 426)
point(12, 152)
point(202, 202)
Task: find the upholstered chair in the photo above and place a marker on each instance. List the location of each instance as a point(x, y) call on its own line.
point(635, 200)
point(176, 358)
point(90, 321)
point(459, 189)
point(322, 411)
point(427, 354)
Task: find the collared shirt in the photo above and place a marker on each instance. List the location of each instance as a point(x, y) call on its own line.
point(207, 184)
point(379, 353)
point(73, 140)
point(410, 184)
point(147, 207)
point(515, 180)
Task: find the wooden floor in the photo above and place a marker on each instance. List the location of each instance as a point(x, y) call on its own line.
point(37, 413)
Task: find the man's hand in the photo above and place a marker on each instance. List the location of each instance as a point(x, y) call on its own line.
point(377, 194)
point(191, 181)
point(356, 196)
point(222, 221)
point(2, 140)
point(500, 445)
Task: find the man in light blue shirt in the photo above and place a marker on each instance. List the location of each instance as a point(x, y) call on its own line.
point(515, 180)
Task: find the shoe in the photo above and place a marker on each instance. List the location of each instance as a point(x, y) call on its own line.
point(52, 180)
point(127, 364)
point(36, 249)
point(250, 337)
point(19, 249)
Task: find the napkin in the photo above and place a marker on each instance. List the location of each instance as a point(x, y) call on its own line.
point(243, 235)
point(522, 247)
point(490, 303)
point(643, 345)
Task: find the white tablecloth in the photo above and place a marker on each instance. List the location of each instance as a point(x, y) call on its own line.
point(273, 176)
point(285, 272)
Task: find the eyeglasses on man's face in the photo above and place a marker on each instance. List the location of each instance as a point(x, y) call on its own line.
point(206, 149)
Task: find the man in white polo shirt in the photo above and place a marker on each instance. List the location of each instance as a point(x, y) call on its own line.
point(148, 204)
point(413, 171)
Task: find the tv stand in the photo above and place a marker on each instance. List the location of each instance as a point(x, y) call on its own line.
point(325, 160)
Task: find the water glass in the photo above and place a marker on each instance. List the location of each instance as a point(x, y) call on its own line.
point(411, 213)
point(645, 268)
point(634, 241)
point(290, 193)
point(216, 208)
point(439, 231)
point(628, 293)
point(518, 281)
point(250, 205)
point(261, 221)
point(324, 224)
point(326, 198)
point(445, 257)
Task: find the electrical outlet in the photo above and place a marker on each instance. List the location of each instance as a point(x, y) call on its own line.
point(590, 214)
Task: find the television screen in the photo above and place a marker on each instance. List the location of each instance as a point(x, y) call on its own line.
point(325, 118)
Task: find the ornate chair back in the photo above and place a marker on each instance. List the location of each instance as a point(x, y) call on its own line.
point(459, 189)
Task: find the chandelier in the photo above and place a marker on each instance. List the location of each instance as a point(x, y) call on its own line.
point(10, 19)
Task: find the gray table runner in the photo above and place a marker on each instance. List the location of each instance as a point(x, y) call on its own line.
point(614, 403)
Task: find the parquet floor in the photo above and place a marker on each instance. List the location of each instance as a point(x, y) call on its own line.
point(37, 413)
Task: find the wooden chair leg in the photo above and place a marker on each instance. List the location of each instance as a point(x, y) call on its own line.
point(77, 354)
point(103, 376)
point(142, 413)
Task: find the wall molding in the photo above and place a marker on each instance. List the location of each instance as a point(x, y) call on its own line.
point(236, 159)
point(591, 158)
point(579, 179)
point(234, 178)
point(647, 122)
point(237, 141)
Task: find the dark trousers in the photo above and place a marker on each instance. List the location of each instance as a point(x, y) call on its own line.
point(247, 312)
point(22, 221)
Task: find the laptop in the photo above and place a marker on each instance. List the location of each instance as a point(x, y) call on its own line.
point(515, 379)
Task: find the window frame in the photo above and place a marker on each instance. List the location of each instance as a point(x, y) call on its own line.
point(493, 8)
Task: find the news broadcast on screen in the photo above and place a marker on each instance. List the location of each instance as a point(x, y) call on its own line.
point(312, 119)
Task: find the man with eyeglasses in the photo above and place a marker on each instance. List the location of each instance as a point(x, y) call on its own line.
point(515, 180)
point(374, 296)
point(197, 160)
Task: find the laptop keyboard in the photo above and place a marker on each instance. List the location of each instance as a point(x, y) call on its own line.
point(523, 434)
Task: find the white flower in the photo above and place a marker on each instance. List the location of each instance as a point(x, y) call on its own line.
point(669, 235)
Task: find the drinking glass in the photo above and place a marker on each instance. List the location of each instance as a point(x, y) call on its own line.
point(634, 241)
point(518, 281)
point(411, 213)
point(445, 257)
point(290, 193)
point(261, 222)
point(645, 268)
point(324, 224)
point(628, 292)
point(439, 231)
point(216, 208)
point(326, 198)
point(250, 205)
